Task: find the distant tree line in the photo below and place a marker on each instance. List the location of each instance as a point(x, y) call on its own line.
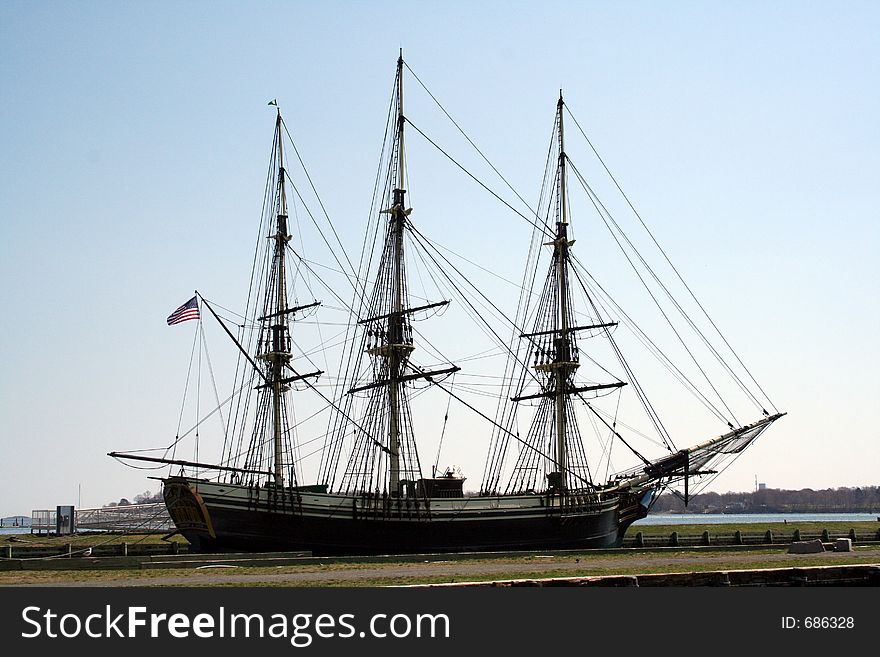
point(864, 499)
point(144, 498)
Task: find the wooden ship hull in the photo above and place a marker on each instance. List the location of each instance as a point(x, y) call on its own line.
point(216, 516)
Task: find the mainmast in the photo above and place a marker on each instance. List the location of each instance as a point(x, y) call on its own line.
point(388, 340)
point(397, 349)
point(563, 363)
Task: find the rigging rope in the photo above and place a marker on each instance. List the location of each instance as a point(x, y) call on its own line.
point(476, 148)
point(185, 390)
point(649, 344)
point(669, 295)
point(598, 204)
point(666, 257)
point(510, 433)
point(544, 230)
point(320, 202)
point(354, 286)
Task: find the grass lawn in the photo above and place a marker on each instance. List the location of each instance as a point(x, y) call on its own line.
point(85, 539)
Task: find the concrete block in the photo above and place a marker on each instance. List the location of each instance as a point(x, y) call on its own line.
point(806, 547)
point(843, 545)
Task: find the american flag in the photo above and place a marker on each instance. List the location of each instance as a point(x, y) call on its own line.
point(189, 310)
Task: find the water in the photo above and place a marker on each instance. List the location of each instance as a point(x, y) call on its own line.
point(746, 518)
point(15, 530)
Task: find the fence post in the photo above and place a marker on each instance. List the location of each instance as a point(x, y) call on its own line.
point(797, 535)
point(673, 539)
point(737, 537)
point(640, 539)
point(852, 535)
point(825, 537)
point(8, 551)
point(768, 537)
point(706, 537)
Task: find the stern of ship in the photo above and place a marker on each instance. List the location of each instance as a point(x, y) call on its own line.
point(188, 512)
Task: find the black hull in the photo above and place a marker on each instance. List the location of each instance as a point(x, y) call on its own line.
point(212, 525)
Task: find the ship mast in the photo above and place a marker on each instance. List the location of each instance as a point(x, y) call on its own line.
point(553, 343)
point(397, 349)
point(391, 466)
point(278, 353)
point(563, 362)
point(388, 340)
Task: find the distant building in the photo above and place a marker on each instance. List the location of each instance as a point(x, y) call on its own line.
point(762, 486)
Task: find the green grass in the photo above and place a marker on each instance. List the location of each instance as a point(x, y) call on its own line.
point(86, 539)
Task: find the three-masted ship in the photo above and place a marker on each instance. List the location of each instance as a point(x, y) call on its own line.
point(372, 495)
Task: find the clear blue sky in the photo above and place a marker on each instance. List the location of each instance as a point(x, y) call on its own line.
point(134, 141)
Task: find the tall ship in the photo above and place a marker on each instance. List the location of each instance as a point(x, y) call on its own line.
point(375, 489)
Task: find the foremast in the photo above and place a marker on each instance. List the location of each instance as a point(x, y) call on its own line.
point(554, 348)
point(556, 355)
